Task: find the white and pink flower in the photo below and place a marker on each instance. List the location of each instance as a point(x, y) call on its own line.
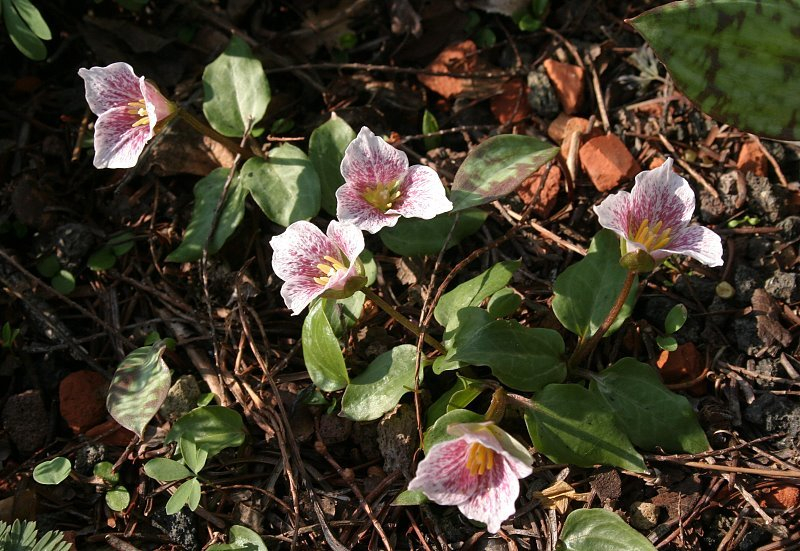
point(380, 187)
point(314, 264)
point(655, 217)
point(478, 472)
point(128, 109)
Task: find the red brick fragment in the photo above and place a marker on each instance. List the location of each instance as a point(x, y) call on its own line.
point(115, 434)
point(607, 162)
point(752, 159)
point(511, 104)
point(82, 397)
point(569, 84)
point(682, 365)
point(544, 195)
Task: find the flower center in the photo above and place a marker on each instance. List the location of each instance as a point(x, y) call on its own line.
point(383, 195)
point(651, 237)
point(328, 269)
point(139, 108)
point(479, 459)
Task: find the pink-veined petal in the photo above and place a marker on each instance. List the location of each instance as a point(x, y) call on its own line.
point(117, 143)
point(493, 437)
point(298, 293)
point(421, 194)
point(613, 212)
point(158, 107)
point(348, 238)
point(352, 208)
point(298, 250)
point(494, 497)
point(443, 475)
point(112, 86)
point(696, 241)
point(660, 195)
point(369, 160)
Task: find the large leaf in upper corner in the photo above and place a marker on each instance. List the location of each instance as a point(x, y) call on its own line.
point(497, 167)
point(738, 60)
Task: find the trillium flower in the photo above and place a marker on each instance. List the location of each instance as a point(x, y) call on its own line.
point(314, 264)
point(654, 217)
point(128, 109)
point(478, 471)
point(380, 187)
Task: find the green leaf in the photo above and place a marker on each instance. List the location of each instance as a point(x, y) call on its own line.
point(599, 530)
point(235, 88)
point(415, 236)
point(102, 260)
point(207, 193)
point(585, 292)
point(343, 313)
point(118, 498)
point(675, 319)
point(138, 388)
point(321, 350)
point(429, 126)
point(21, 35)
point(458, 397)
point(460, 328)
point(194, 457)
point(48, 266)
point(23, 536)
point(409, 497)
point(326, 149)
point(105, 470)
point(438, 432)
point(121, 243)
point(667, 343)
point(286, 188)
point(240, 538)
point(650, 414)
point(187, 493)
point(504, 303)
point(63, 282)
point(211, 428)
point(166, 470)
point(521, 357)
point(497, 167)
point(472, 292)
point(379, 388)
point(52, 472)
point(33, 19)
point(736, 59)
point(570, 425)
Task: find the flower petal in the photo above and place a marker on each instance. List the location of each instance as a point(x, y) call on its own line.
point(158, 107)
point(614, 212)
point(298, 250)
point(117, 143)
point(493, 437)
point(421, 194)
point(348, 238)
point(661, 195)
point(112, 86)
point(493, 499)
point(352, 208)
point(443, 475)
point(298, 293)
point(696, 241)
point(369, 160)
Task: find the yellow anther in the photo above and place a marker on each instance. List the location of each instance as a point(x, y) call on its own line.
point(328, 270)
point(651, 237)
point(479, 459)
point(139, 108)
point(322, 280)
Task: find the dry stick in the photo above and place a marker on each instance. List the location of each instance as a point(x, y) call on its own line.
point(586, 347)
point(402, 320)
point(772, 161)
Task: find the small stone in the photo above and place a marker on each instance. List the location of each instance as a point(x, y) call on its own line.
point(724, 290)
point(644, 515)
point(607, 162)
point(181, 398)
point(82, 398)
point(783, 286)
point(511, 104)
point(398, 439)
point(556, 129)
point(333, 429)
point(180, 528)
point(25, 421)
point(752, 159)
point(541, 95)
point(682, 365)
point(542, 195)
point(766, 198)
point(790, 227)
point(782, 497)
point(88, 456)
point(569, 83)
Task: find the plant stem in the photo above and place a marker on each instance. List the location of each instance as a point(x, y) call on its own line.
point(497, 407)
point(587, 347)
point(206, 130)
point(402, 320)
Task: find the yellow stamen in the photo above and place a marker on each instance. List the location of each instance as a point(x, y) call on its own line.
point(333, 265)
point(139, 108)
point(479, 459)
point(383, 195)
point(651, 237)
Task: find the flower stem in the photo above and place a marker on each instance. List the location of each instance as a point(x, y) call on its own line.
point(497, 407)
point(402, 320)
point(587, 347)
point(206, 130)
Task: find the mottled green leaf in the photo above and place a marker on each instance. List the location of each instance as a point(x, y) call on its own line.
point(497, 167)
point(415, 236)
point(738, 60)
point(650, 414)
point(235, 88)
point(138, 388)
point(569, 424)
point(473, 291)
point(599, 530)
point(52, 472)
point(326, 149)
point(33, 19)
point(321, 350)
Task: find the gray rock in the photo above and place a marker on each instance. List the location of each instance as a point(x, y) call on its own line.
point(25, 420)
point(783, 286)
point(542, 96)
point(644, 515)
point(398, 439)
point(89, 456)
point(181, 398)
point(179, 528)
point(772, 414)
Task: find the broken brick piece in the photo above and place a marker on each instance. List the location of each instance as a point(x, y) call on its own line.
point(569, 83)
point(607, 162)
